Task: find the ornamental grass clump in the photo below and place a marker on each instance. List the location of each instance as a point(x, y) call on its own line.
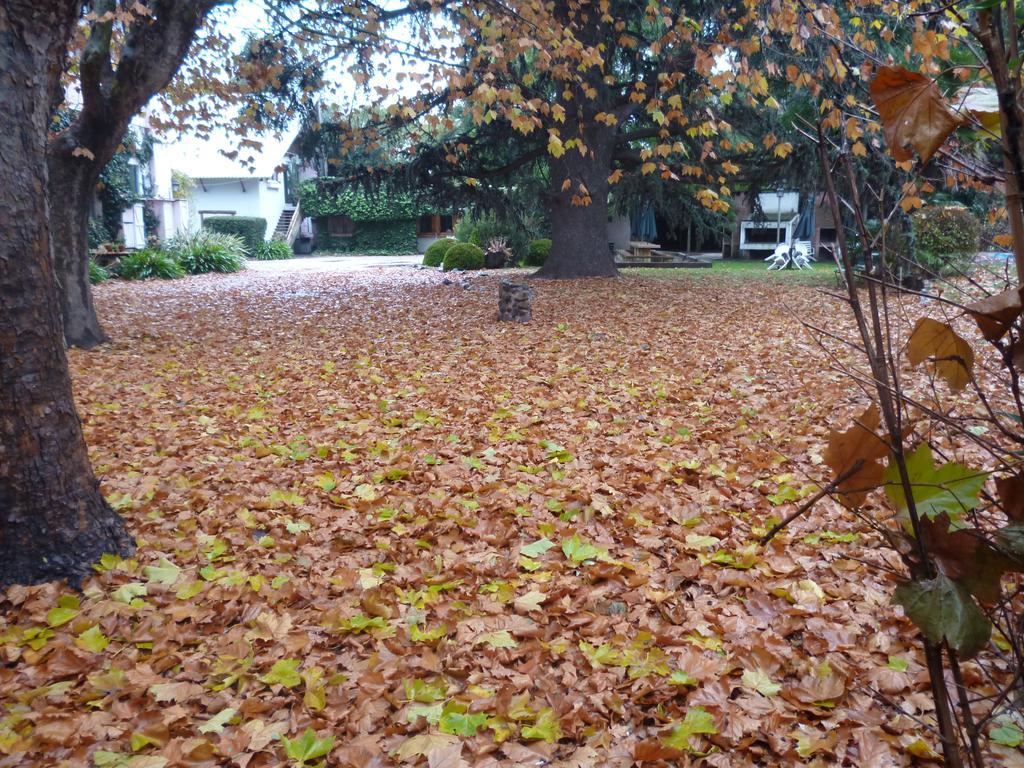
point(148, 263)
point(273, 250)
point(204, 251)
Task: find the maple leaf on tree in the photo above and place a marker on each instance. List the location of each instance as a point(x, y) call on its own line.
point(914, 113)
point(938, 342)
point(854, 455)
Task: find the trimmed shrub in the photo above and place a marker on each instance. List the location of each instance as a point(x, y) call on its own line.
point(946, 239)
point(463, 256)
point(272, 250)
point(480, 230)
point(206, 251)
point(147, 263)
point(251, 229)
point(538, 253)
point(97, 274)
point(435, 253)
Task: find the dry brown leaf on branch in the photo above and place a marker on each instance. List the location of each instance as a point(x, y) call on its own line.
point(938, 342)
point(913, 111)
point(858, 444)
point(965, 556)
point(1011, 496)
point(995, 314)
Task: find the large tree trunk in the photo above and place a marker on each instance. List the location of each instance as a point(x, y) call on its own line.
point(72, 181)
point(54, 522)
point(115, 84)
point(579, 232)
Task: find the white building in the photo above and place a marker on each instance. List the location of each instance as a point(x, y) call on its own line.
point(253, 182)
point(781, 211)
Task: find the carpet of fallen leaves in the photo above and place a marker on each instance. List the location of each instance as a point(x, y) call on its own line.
point(366, 508)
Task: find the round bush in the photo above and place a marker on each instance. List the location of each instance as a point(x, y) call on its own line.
point(434, 255)
point(148, 263)
point(463, 256)
point(273, 250)
point(538, 253)
point(946, 238)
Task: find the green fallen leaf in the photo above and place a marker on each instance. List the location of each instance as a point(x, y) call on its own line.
point(697, 720)
point(429, 712)
point(499, 639)
point(165, 572)
point(424, 691)
point(537, 548)
point(545, 728)
point(951, 488)
point(216, 723)
point(92, 640)
point(578, 551)
point(128, 592)
point(65, 610)
point(307, 747)
point(190, 590)
point(759, 681)
point(284, 672)
point(455, 719)
point(1007, 734)
point(682, 677)
point(900, 665)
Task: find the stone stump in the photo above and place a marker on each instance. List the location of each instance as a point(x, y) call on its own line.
point(514, 302)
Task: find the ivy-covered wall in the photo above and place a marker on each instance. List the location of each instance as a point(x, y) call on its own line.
point(385, 223)
point(385, 238)
point(323, 197)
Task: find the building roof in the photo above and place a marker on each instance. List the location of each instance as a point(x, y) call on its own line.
point(205, 158)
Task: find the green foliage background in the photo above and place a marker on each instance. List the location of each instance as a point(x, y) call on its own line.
point(325, 197)
point(384, 238)
point(946, 238)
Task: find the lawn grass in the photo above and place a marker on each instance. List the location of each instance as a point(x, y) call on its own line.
point(819, 275)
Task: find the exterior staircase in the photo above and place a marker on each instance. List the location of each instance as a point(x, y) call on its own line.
point(285, 220)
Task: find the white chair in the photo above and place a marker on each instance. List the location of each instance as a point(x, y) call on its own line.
point(803, 254)
point(780, 257)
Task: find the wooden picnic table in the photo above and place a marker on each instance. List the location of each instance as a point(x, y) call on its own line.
point(643, 251)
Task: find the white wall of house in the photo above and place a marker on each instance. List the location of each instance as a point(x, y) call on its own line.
point(237, 197)
point(619, 232)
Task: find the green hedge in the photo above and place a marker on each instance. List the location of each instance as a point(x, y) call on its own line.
point(251, 229)
point(376, 238)
point(463, 256)
point(946, 238)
